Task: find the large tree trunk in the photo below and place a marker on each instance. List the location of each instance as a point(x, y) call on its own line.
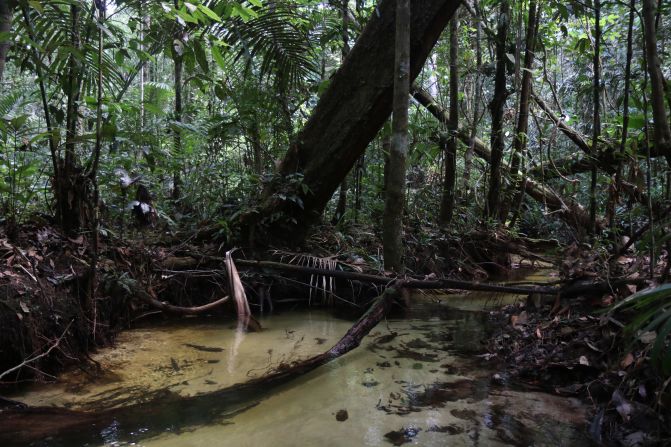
point(72, 189)
point(6, 14)
point(348, 116)
point(394, 204)
point(496, 107)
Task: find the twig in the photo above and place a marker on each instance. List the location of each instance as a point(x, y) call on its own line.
point(39, 356)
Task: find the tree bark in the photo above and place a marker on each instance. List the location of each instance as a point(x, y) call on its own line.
point(615, 190)
point(6, 15)
point(348, 116)
point(520, 138)
point(447, 202)
point(596, 122)
point(72, 207)
point(341, 207)
point(468, 155)
point(496, 107)
point(178, 59)
point(392, 231)
point(657, 83)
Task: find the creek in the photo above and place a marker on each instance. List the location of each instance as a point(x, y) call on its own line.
point(417, 378)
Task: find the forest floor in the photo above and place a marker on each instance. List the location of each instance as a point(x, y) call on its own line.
point(569, 348)
point(577, 350)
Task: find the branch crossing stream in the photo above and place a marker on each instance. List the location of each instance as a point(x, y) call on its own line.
point(416, 379)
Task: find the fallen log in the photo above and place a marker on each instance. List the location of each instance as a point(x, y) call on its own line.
point(409, 283)
point(24, 425)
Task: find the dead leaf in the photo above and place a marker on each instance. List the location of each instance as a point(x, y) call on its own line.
point(642, 391)
point(538, 333)
point(627, 360)
point(79, 240)
point(583, 360)
point(24, 307)
point(648, 337)
point(518, 320)
point(622, 406)
point(591, 346)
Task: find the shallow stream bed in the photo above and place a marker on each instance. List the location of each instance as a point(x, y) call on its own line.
point(416, 379)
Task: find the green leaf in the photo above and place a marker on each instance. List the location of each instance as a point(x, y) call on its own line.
point(19, 121)
point(256, 3)
point(186, 16)
point(208, 12)
point(218, 57)
point(153, 108)
point(36, 5)
point(201, 57)
point(660, 343)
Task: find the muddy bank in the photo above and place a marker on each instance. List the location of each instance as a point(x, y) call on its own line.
point(578, 351)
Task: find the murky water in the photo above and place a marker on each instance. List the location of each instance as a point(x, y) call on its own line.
point(416, 378)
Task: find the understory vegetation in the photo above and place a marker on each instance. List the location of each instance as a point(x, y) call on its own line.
point(149, 147)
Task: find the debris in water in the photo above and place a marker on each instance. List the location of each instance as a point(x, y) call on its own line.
point(449, 429)
point(402, 436)
point(204, 348)
point(342, 415)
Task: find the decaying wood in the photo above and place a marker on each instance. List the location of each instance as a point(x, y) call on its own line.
point(178, 310)
point(410, 283)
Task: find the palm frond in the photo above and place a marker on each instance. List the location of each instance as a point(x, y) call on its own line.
point(280, 48)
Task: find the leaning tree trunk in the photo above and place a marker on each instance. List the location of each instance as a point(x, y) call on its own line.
point(6, 14)
point(394, 204)
point(348, 116)
point(496, 106)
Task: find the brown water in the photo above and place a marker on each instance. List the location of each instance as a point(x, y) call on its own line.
point(416, 378)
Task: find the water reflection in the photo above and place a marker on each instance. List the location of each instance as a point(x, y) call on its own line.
point(415, 375)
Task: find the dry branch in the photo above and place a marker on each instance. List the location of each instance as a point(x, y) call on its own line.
point(38, 356)
point(178, 310)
